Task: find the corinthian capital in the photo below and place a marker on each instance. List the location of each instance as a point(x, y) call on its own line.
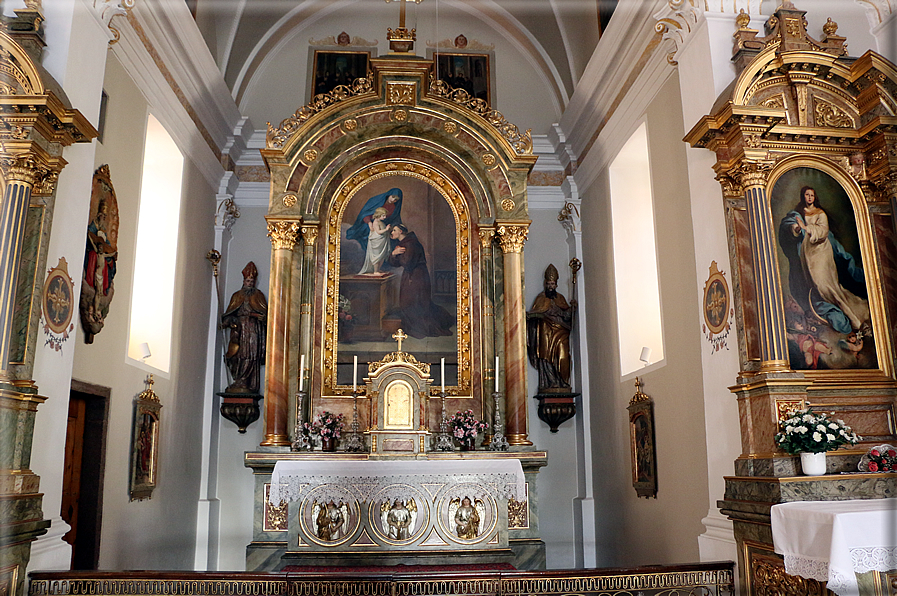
point(512, 237)
point(283, 234)
point(22, 168)
point(752, 174)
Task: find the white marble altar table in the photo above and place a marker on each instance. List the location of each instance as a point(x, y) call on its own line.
point(498, 478)
point(830, 541)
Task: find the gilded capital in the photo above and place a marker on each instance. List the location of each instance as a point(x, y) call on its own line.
point(888, 183)
point(512, 237)
point(283, 234)
point(21, 168)
point(310, 235)
point(486, 236)
point(752, 174)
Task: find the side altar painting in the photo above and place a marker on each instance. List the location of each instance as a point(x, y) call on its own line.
point(398, 269)
point(826, 299)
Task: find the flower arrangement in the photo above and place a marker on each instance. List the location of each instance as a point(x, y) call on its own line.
point(879, 459)
point(806, 431)
point(465, 427)
point(326, 424)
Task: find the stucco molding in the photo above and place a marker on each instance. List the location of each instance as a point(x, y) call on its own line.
point(676, 22)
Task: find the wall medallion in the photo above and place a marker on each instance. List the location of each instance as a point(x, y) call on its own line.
point(290, 200)
point(57, 305)
point(508, 204)
point(310, 155)
point(101, 255)
point(400, 115)
point(717, 309)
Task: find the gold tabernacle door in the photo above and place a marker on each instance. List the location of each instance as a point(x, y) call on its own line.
point(399, 390)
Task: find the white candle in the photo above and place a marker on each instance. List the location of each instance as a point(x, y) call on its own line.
point(301, 370)
point(496, 374)
point(355, 375)
point(443, 375)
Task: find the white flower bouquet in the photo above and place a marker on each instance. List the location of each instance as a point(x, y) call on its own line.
point(806, 431)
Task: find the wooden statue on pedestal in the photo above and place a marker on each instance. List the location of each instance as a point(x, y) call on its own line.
point(548, 327)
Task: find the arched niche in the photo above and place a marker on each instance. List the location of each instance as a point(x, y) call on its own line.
point(462, 169)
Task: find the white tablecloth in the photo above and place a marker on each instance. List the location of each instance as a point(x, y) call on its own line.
point(829, 541)
point(362, 480)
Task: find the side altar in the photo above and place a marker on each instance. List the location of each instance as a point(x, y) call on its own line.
point(381, 191)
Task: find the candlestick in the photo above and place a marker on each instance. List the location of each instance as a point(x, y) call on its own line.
point(496, 374)
point(355, 375)
point(301, 370)
point(443, 375)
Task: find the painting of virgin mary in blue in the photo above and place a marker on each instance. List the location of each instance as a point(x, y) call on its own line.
point(398, 270)
point(827, 316)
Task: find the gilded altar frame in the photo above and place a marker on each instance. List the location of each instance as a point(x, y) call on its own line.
point(801, 113)
point(399, 122)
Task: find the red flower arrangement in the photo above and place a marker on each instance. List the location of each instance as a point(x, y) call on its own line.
point(880, 459)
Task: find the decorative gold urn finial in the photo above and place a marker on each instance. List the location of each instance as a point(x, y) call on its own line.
point(401, 40)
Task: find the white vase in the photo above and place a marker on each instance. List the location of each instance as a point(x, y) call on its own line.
point(813, 464)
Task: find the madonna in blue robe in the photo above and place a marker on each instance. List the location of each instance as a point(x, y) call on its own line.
point(390, 200)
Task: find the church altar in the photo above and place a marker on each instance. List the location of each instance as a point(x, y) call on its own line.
point(423, 506)
point(832, 541)
point(342, 509)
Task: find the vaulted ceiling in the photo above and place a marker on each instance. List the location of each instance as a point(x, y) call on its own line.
point(543, 43)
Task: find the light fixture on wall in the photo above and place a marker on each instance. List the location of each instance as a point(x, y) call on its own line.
point(145, 352)
point(645, 355)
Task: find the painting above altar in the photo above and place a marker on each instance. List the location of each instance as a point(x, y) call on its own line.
point(403, 262)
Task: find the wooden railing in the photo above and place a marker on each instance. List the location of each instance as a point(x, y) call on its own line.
point(698, 579)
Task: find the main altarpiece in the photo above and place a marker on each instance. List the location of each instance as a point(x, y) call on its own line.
point(398, 210)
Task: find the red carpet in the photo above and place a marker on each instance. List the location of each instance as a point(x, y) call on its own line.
point(399, 568)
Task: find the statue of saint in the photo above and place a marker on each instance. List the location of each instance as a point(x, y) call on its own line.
point(399, 519)
point(467, 520)
point(548, 327)
point(246, 316)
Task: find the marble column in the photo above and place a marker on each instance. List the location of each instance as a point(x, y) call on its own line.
point(283, 234)
point(511, 238)
point(20, 179)
point(490, 347)
point(306, 326)
point(770, 312)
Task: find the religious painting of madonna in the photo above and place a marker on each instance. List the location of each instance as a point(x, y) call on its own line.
point(398, 269)
point(826, 299)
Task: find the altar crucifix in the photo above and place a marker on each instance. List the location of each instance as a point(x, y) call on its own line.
point(399, 336)
point(401, 40)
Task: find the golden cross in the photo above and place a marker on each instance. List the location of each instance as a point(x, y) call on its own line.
point(399, 336)
point(149, 381)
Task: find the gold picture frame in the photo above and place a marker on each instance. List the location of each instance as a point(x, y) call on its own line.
point(399, 173)
point(641, 439)
point(145, 444)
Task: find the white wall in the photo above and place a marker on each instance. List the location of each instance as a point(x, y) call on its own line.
point(273, 95)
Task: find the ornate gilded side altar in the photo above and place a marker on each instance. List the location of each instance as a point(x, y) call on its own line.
point(806, 146)
point(398, 209)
